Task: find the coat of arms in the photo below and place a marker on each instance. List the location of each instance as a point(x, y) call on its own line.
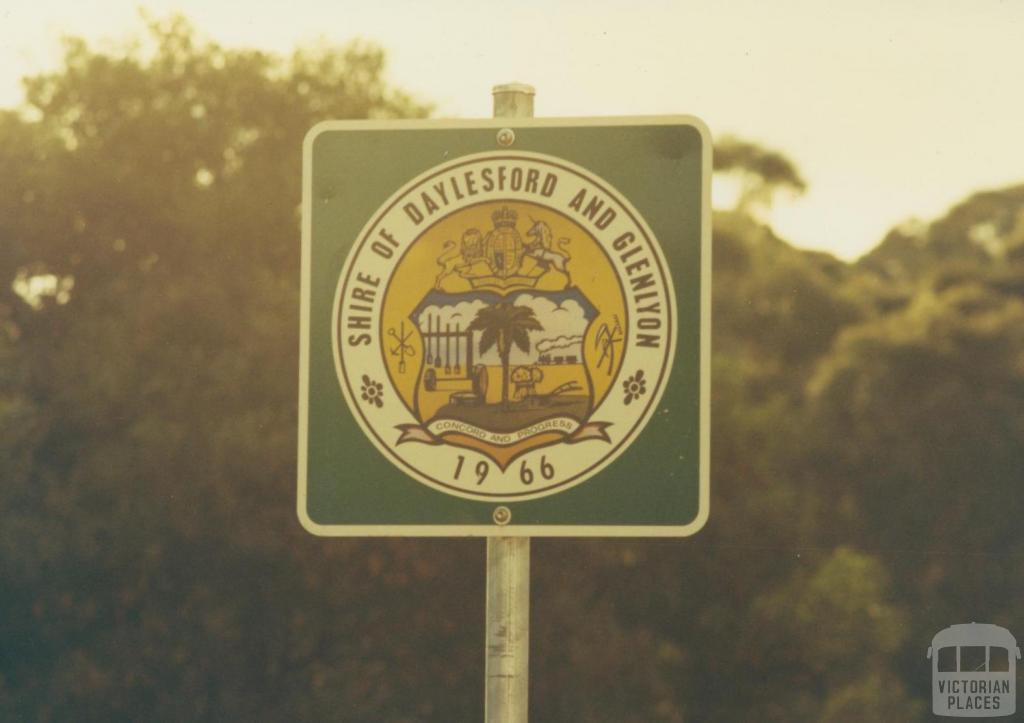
point(504, 327)
point(502, 331)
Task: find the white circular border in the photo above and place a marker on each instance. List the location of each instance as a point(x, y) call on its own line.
point(655, 391)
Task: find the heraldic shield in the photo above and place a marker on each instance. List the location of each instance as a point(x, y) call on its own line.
point(504, 353)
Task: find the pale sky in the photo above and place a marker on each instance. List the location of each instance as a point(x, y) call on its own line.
point(891, 108)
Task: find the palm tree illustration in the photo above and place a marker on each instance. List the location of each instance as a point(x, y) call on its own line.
point(503, 325)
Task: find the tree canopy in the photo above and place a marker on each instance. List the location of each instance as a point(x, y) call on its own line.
point(761, 172)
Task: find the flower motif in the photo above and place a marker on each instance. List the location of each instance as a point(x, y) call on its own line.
point(373, 392)
point(635, 386)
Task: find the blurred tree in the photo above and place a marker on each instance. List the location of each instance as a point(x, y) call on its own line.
point(776, 309)
point(986, 229)
point(832, 634)
point(913, 406)
point(149, 266)
point(917, 418)
point(759, 172)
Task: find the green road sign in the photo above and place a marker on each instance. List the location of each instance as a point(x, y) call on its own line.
point(505, 327)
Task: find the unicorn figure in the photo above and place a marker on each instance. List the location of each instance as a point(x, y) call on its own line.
point(539, 246)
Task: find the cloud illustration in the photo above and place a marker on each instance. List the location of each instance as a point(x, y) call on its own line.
point(564, 325)
point(573, 343)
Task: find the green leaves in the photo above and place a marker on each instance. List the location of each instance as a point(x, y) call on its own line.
point(147, 521)
point(760, 172)
point(504, 324)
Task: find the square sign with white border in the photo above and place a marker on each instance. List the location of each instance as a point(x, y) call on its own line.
point(505, 327)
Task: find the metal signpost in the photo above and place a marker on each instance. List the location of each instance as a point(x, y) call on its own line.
point(505, 333)
point(507, 662)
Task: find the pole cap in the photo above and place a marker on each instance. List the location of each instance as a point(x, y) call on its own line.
point(514, 88)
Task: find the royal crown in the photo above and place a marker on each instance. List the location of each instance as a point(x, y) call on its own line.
point(505, 217)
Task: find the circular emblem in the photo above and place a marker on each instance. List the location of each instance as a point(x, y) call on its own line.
point(504, 326)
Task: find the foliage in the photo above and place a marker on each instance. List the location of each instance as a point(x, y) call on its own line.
point(503, 326)
point(985, 230)
point(760, 171)
point(866, 435)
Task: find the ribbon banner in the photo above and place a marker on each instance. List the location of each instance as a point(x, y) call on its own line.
point(572, 430)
